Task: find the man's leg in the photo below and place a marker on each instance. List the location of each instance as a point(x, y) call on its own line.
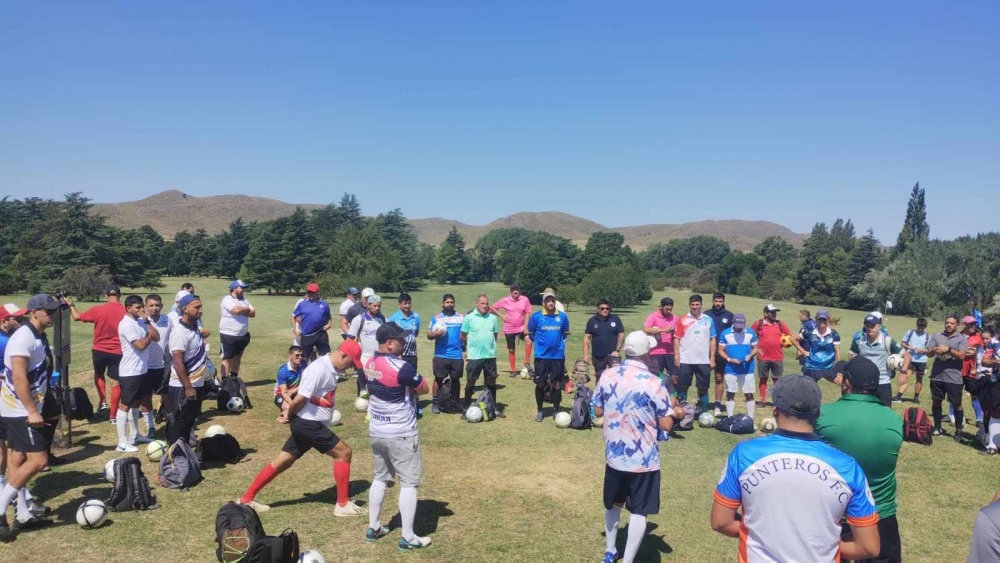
point(955, 391)
point(527, 353)
point(490, 378)
point(762, 369)
point(475, 367)
point(937, 397)
point(918, 387)
point(99, 382)
point(281, 462)
point(702, 375)
point(541, 384)
point(408, 462)
point(730, 404)
point(511, 352)
point(636, 531)
point(719, 386)
point(341, 454)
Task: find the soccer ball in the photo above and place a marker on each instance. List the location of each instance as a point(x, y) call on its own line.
point(155, 450)
point(525, 374)
point(335, 419)
point(598, 421)
point(562, 420)
point(91, 514)
point(786, 341)
point(474, 414)
point(895, 361)
point(311, 556)
point(215, 430)
point(706, 420)
point(235, 404)
point(109, 471)
point(768, 424)
point(361, 404)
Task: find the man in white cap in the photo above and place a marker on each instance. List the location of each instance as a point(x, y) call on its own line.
point(362, 329)
point(234, 327)
point(635, 405)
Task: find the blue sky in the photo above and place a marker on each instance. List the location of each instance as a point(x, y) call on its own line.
point(628, 113)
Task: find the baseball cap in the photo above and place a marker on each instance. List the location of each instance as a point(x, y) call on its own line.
point(797, 395)
point(969, 320)
point(4, 313)
point(872, 320)
point(352, 349)
point(238, 283)
point(373, 298)
point(638, 343)
point(187, 300)
point(514, 286)
point(549, 292)
point(180, 295)
point(112, 289)
point(366, 292)
point(312, 288)
point(42, 302)
point(840, 366)
point(739, 321)
point(862, 373)
point(822, 314)
point(352, 290)
point(877, 314)
point(770, 308)
point(15, 311)
point(389, 331)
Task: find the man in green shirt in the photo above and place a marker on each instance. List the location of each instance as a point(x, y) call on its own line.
point(479, 333)
point(861, 427)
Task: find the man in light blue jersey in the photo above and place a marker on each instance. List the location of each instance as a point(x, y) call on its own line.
point(409, 321)
point(917, 342)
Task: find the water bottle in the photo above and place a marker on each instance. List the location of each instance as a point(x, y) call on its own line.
point(54, 379)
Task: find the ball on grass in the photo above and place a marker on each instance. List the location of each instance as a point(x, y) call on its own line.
point(91, 514)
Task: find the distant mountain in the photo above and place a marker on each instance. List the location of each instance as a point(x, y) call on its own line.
point(172, 211)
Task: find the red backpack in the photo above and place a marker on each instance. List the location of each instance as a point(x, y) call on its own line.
point(916, 426)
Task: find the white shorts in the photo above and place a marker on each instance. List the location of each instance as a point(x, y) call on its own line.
point(745, 382)
point(398, 458)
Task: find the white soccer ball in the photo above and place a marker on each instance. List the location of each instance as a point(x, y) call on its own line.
point(598, 421)
point(562, 420)
point(706, 420)
point(311, 556)
point(336, 418)
point(215, 430)
point(895, 361)
point(235, 404)
point(361, 404)
point(768, 424)
point(109, 471)
point(474, 414)
point(525, 374)
point(155, 450)
point(91, 514)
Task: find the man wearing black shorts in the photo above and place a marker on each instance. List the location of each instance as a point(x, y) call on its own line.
point(135, 337)
point(312, 315)
point(445, 330)
point(602, 339)
point(157, 358)
point(948, 347)
point(547, 330)
point(234, 328)
point(695, 343)
point(915, 341)
point(723, 319)
point(309, 415)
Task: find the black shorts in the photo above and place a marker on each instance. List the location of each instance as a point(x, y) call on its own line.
point(3, 430)
point(601, 364)
point(309, 434)
point(233, 346)
point(134, 388)
point(699, 373)
point(890, 548)
point(105, 362)
point(919, 368)
point(952, 391)
point(549, 371)
point(884, 393)
point(159, 380)
point(27, 439)
point(775, 368)
point(320, 342)
point(487, 366)
point(818, 374)
point(445, 367)
point(412, 360)
point(664, 364)
point(640, 492)
point(512, 339)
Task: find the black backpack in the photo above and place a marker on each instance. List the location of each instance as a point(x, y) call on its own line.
point(580, 415)
point(275, 549)
point(447, 398)
point(221, 447)
point(736, 424)
point(131, 490)
point(80, 407)
point(237, 531)
point(231, 386)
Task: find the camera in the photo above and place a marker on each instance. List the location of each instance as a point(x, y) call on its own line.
point(60, 295)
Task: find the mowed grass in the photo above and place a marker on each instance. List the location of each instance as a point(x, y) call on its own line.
point(510, 490)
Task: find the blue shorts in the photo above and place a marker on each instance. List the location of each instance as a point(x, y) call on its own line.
point(640, 492)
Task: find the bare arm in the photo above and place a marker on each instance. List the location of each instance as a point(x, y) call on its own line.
point(621, 339)
point(182, 374)
point(725, 520)
point(586, 348)
point(19, 375)
point(864, 543)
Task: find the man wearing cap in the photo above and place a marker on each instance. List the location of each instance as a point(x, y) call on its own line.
point(547, 330)
point(363, 329)
point(635, 405)
point(877, 347)
point(394, 386)
point(661, 324)
point(970, 363)
point(794, 489)
point(350, 298)
point(106, 350)
point(313, 316)
point(770, 356)
point(360, 307)
point(234, 327)
point(445, 330)
point(308, 416)
point(188, 370)
point(737, 350)
point(949, 348)
point(916, 341)
point(857, 425)
point(820, 349)
point(603, 338)
point(514, 311)
point(695, 341)
point(22, 406)
point(409, 319)
point(186, 287)
point(479, 333)
point(723, 320)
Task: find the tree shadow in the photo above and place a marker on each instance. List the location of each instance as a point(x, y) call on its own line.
point(84, 448)
point(652, 548)
point(327, 495)
point(429, 513)
point(49, 485)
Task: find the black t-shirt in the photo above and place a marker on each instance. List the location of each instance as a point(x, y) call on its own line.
point(604, 334)
point(354, 311)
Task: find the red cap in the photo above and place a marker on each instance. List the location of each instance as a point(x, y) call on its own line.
point(3, 313)
point(352, 349)
point(312, 288)
point(12, 310)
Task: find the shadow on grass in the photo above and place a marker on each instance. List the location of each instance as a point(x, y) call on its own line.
point(66, 513)
point(429, 513)
point(84, 448)
point(652, 548)
point(327, 495)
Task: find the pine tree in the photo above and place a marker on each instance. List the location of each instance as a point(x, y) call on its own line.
point(864, 259)
point(451, 264)
point(350, 210)
point(915, 227)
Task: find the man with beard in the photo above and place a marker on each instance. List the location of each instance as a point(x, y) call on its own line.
point(445, 330)
point(661, 324)
point(234, 327)
point(770, 356)
point(723, 320)
point(695, 342)
point(877, 347)
point(157, 371)
point(948, 347)
point(136, 337)
point(189, 368)
point(602, 339)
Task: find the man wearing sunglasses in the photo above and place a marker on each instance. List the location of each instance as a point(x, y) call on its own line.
point(289, 375)
point(602, 339)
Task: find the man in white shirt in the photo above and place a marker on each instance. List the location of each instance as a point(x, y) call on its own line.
point(234, 327)
point(135, 338)
point(189, 368)
point(362, 329)
point(345, 306)
point(156, 365)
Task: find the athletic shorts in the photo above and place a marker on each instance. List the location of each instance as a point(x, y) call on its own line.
point(919, 368)
point(601, 364)
point(412, 360)
point(775, 368)
point(309, 434)
point(233, 346)
point(640, 492)
point(319, 342)
point(699, 373)
point(159, 380)
point(891, 550)
point(3, 430)
point(512, 339)
point(952, 391)
point(134, 388)
point(884, 394)
point(27, 439)
point(549, 371)
point(106, 363)
point(818, 374)
point(397, 458)
point(741, 383)
point(486, 366)
point(664, 364)
point(445, 367)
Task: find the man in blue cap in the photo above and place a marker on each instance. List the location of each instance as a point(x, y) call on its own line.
point(234, 327)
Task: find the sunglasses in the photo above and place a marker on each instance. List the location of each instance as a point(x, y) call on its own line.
point(604, 308)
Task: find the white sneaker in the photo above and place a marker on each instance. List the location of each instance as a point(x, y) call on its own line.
point(951, 417)
point(718, 412)
point(416, 543)
point(256, 506)
point(127, 448)
point(349, 509)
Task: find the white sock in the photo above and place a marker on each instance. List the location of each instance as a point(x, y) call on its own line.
point(636, 531)
point(121, 422)
point(27, 493)
point(6, 495)
point(611, 519)
point(751, 406)
point(994, 433)
point(3, 481)
point(376, 494)
point(407, 510)
point(134, 415)
point(150, 424)
point(730, 408)
point(22, 505)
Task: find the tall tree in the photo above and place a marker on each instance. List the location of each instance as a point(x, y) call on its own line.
point(864, 258)
point(605, 249)
point(915, 227)
point(396, 229)
point(451, 263)
point(775, 249)
point(350, 210)
point(842, 234)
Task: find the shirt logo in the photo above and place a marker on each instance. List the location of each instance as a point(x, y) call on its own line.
point(612, 324)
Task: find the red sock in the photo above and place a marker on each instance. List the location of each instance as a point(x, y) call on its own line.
point(527, 352)
point(99, 383)
point(259, 482)
point(763, 391)
point(512, 358)
point(116, 396)
point(342, 478)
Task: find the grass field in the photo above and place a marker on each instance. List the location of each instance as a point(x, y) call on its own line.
point(510, 490)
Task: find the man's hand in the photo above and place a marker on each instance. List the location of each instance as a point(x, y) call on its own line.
point(748, 358)
point(205, 333)
point(283, 417)
point(586, 360)
point(733, 361)
point(35, 419)
point(298, 334)
point(678, 412)
point(190, 393)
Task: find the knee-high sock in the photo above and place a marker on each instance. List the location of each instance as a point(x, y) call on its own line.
point(116, 395)
point(362, 381)
point(751, 407)
point(611, 519)
point(150, 424)
point(121, 422)
point(342, 478)
point(539, 396)
point(100, 384)
point(135, 426)
point(8, 494)
point(264, 476)
point(556, 397)
point(763, 391)
point(469, 389)
point(703, 400)
point(959, 420)
point(636, 531)
point(527, 352)
point(376, 494)
point(407, 510)
point(682, 394)
point(994, 433)
point(731, 407)
point(22, 503)
point(512, 358)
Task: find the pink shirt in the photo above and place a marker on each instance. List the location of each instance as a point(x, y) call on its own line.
point(666, 339)
point(515, 311)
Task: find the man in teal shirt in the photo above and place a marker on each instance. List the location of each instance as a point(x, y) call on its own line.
point(860, 426)
point(479, 333)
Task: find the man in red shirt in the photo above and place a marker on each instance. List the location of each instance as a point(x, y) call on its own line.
point(106, 349)
point(769, 353)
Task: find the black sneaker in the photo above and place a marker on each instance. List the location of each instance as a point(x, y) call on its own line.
point(6, 534)
point(959, 437)
point(898, 398)
point(937, 432)
point(539, 416)
point(29, 524)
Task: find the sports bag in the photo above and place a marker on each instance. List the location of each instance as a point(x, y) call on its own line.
point(80, 407)
point(275, 549)
point(221, 447)
point(487, 404)
point(579, 417)
point(231, 386)
point(131, 490)
point(736, 424)
point(237, 530)
point(179, 468)
point(686, 423)
point(448, 398)
point(917, 426)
